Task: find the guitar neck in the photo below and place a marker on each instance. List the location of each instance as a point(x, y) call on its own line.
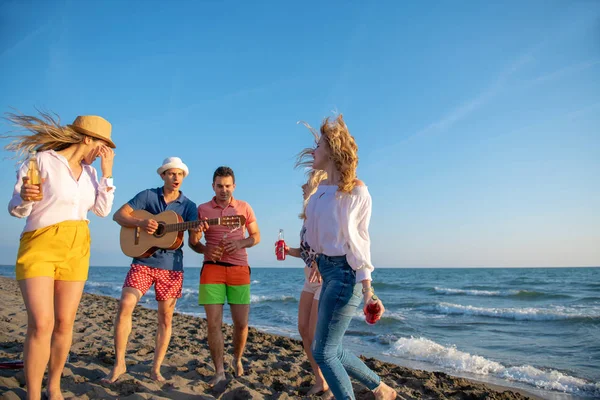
point(184, 226)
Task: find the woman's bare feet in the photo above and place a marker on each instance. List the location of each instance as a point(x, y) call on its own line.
point(238, 368)
point(116, 372)
point(384, 392)
point(327, 395)
point(319, 387)
point(54, 394)
point(156, 375)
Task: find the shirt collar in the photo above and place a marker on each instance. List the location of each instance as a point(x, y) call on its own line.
point(177, 200)
point(64, 160)
point(214, 203)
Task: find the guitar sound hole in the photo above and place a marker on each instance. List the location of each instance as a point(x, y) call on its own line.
point(160, 231)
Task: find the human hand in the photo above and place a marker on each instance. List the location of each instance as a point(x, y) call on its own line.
point(232, 246)
point(315, 275)
point(213, 253)
point(369, 301)
point(203, 227)
point(149, 225)
point(286, 249)
point(29, 191)
point(107, 156)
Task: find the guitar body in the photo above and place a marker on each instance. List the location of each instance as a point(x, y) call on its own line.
point(137, 243)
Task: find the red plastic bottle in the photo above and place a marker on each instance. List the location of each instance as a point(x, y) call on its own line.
point(280, 246)
point(371, 313)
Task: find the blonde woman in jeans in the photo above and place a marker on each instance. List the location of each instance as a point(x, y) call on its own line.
point(337, 223)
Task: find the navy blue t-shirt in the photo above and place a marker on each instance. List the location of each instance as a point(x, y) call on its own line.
point(153, 201)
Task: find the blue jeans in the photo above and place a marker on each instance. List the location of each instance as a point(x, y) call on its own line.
point(340, 296)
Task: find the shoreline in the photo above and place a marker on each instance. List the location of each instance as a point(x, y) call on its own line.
point(276, 367)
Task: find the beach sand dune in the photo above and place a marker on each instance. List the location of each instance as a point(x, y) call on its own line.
point(276, 367)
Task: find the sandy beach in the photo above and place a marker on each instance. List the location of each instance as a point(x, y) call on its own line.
point(276, 367)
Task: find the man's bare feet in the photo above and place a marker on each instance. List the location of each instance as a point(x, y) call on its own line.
point(116, 372)
point(54, 394)
point(157, 376)
point(238, 368)
point(220, 377)
point(384, 392)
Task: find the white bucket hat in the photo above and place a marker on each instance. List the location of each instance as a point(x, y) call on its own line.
point(173, 162)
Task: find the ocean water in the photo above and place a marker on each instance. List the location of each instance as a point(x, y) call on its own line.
point(533, 328)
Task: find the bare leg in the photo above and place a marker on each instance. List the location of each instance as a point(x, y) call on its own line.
point(163, 336)
point(320, 384)
point(129, 298)
point(307, 321)
point(67, 296)
point(239, 315)
point(38, 296)
point(214, 317)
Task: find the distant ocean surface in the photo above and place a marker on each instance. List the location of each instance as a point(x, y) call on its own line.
point(533, 328)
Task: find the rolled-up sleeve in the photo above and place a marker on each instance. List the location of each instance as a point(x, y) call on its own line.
point(17, 207)
point(105, 195)
point(355, 217)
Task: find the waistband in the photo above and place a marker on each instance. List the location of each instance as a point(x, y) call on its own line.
point(156, 268)
point(222, 264)
point(332, 258)
point(80, 222)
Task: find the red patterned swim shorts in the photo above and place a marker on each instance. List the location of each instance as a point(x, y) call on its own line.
point(167, 283)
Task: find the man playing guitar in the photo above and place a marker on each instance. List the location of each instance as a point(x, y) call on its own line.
point(163, 267)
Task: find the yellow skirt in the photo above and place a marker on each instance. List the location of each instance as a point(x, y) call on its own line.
point(60, 251)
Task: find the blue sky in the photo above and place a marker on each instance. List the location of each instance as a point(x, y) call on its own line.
point(478, 123)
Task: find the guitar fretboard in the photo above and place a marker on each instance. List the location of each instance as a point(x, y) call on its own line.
point(184, 226)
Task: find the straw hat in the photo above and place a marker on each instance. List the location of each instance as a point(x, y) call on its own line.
point(94, 126)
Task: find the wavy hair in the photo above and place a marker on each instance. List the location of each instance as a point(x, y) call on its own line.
point(343, 151)
point(46, 133)
point(304, 159)
point(315, 176)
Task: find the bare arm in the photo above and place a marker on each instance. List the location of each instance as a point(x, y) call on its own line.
point(194, 238)
point(253, 235)
point(292, 251)
point(213, 253)
point(252, 240)
point(198, 247)
point(124, 218)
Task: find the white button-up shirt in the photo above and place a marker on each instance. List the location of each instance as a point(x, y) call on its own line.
point(65, 198)
point(337, 224)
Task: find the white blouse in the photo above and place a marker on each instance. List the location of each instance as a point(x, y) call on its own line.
point(337, 224)
point(64, 197)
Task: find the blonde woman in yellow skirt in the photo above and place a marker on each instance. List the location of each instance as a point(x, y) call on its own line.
point(54, 252)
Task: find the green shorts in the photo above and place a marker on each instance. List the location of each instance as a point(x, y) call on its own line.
point(219, 282)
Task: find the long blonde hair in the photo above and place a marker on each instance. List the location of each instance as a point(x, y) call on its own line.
point(343, 151)
point(315, 177)
point(304, 159)
point(46, 133)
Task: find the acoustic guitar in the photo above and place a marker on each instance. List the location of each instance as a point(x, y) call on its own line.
point(136, 242)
